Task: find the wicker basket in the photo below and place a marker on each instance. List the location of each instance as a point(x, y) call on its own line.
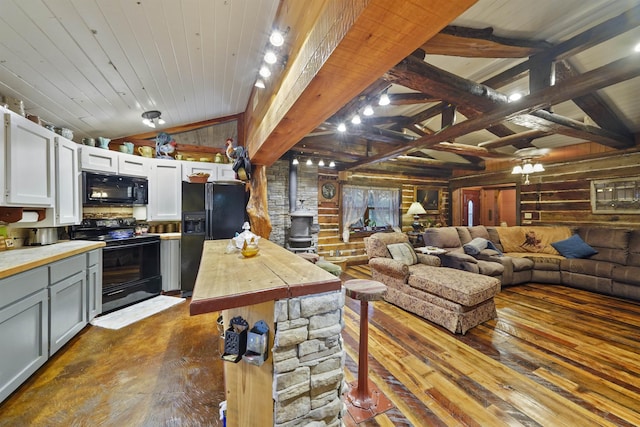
point(199, 179)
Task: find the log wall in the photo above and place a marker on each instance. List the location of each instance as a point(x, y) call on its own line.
point(561, 194)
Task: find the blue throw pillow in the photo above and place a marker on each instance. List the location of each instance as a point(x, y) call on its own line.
point(574, 247)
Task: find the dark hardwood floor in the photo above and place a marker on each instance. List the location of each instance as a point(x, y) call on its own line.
point(555, 356)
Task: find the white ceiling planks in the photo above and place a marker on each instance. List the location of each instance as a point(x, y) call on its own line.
point(95, 65)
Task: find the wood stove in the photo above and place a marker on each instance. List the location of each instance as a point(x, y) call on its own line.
point(300, 234)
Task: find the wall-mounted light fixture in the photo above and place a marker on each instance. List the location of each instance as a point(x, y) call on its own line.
point(152, 118)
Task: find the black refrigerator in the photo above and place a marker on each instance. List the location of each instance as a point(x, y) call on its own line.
point(209, 211)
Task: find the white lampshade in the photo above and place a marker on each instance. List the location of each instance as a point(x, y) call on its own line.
point(538, 167)
point(527, 168)
point(517, 170)
point(416, 209)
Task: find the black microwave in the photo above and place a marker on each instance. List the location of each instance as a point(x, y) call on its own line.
point(114, 190)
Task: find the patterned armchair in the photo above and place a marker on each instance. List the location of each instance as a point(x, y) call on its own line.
point(454, 299)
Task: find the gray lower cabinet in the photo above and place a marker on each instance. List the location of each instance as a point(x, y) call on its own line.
point(170, 264)
point(41, 310)
point(94, 284)
point(67, 300)
point(24, 327)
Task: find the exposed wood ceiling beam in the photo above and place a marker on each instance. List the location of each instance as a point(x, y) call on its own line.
point(313, 87)
point(474, 99)
point(424, 162)
point(513, 139)
point(548, 122)
point(589, 38)
point(606, 75)
point(474, 43)
point(592, 103)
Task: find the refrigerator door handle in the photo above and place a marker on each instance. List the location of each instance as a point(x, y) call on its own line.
point(208, 206)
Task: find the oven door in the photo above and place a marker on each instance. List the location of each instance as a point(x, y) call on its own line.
point(130, 273)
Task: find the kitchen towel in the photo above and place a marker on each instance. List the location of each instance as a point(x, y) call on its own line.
point(128, 315)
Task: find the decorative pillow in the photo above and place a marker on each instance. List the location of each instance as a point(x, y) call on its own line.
point(403, 252)
point(574, 247)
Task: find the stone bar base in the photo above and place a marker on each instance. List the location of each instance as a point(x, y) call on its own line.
point(308, 360)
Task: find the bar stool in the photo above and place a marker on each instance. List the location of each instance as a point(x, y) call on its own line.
point(364, 399)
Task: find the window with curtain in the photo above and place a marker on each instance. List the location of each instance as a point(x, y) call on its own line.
point(366, 208)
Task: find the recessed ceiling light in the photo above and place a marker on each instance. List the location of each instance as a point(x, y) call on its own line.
point(276, 38)
point(270, 57)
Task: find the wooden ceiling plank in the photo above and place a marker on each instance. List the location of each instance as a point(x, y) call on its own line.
point(355, 44)
point(606, 75)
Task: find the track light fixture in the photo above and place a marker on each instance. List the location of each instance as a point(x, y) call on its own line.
point(309, 162)
point(342, 127)
point(295, 161)
point(276, 38)
point(152, 118)
point(384, 99)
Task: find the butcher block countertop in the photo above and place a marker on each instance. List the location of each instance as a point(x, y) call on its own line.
point(25, 258)
point(169, 236)
point(228, 280)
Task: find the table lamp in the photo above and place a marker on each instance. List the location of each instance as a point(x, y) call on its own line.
point(416, 210)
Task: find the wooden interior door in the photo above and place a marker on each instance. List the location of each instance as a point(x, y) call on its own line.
point(470, 205)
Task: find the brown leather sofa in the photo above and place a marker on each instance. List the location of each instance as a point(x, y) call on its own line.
point(529, 256)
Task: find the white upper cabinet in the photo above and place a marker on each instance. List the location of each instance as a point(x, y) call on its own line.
point(189, 168)
point(29, 175)
point(68, 207)
point(131, 165)
point(216, 171)
point(99, 160)
point(226, 173)
point(165, 191)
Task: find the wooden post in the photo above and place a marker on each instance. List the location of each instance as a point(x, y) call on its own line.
point(258, 206)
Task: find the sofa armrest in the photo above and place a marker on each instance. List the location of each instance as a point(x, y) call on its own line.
point(390, 267)
point(431, 260)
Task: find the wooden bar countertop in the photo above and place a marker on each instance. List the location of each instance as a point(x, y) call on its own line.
point(228, 280)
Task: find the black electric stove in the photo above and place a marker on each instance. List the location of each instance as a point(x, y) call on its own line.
point(112, 231)
point(130, 261)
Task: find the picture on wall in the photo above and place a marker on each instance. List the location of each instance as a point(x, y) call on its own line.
point(429, 198)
